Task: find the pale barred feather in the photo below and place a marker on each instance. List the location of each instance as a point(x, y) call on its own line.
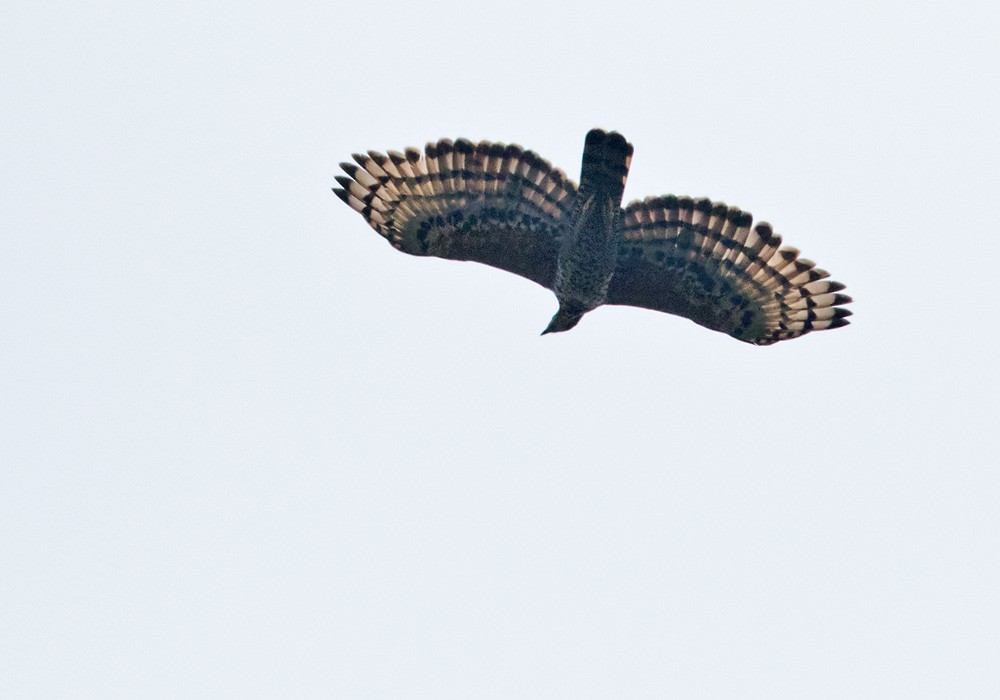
point(415, 167)
point(482, 164)
point(716, 221)
point(434, 169)
point(741, 221)
point(511, 161)
point(446, 163)
point(462, 146)
point(494, 164)
point(474, 163)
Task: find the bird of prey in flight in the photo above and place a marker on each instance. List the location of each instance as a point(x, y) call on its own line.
point(509, 208)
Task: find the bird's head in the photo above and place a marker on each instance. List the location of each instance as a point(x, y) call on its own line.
point(568, 315)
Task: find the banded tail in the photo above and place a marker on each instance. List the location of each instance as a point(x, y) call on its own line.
point(606, 159)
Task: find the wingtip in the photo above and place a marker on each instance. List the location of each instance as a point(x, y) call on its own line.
point(764, 230)
point(742, 219)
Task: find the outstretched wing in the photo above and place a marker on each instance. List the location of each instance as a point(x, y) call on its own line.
point(487, 202)
point(701, 260)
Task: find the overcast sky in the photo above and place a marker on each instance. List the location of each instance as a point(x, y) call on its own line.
point(250, 450)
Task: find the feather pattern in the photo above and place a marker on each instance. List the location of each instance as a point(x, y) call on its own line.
point(489, 202)
point(701, 260)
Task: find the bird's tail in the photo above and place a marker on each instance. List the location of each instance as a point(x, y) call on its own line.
point(606, 159)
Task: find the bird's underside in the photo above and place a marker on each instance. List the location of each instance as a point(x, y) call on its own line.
point(509, 208)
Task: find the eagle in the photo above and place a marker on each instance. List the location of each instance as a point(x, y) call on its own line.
point(507, 207)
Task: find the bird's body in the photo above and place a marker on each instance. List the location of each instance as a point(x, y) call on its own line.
point(587, 256)
point(508, 208)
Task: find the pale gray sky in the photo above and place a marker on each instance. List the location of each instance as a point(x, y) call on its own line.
point(250, 450)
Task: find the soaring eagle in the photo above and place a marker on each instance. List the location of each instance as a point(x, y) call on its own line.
point(509, 208)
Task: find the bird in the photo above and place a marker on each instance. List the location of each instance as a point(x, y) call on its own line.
point(509, 208)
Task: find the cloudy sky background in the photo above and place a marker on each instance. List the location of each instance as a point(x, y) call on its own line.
point(250, 450)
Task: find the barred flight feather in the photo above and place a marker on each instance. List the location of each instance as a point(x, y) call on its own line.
point(731, 278)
